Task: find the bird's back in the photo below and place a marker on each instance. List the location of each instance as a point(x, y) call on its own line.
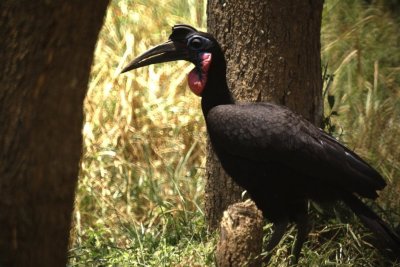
point(279, 156)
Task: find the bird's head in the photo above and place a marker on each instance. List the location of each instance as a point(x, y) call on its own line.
point(184, 43)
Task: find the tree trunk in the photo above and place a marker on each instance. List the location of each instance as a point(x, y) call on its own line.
point(240, 242)
point(46, 53)
point(273, 54)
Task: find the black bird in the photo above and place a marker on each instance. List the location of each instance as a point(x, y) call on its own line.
point(281, 159)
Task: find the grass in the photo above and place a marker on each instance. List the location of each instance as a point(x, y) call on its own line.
point(140, 188)
point(140, 194)
point(361, 46)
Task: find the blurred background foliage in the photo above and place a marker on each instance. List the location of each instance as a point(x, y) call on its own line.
point(140, 194)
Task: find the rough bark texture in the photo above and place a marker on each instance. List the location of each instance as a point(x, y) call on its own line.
point(240, 242)
point(46, 53)
point(273, 54)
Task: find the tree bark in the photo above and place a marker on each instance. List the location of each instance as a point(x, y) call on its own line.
point(46, 53)
point(240, 242)
point(273, 54)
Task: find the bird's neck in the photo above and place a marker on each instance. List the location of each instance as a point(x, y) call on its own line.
point(216, 91)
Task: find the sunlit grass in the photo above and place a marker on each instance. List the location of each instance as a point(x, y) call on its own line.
point(140, 188)
point(140, 194)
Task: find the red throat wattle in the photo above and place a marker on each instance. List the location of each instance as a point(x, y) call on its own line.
point(196, 81)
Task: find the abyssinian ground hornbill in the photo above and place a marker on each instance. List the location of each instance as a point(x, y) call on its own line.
point(281, 159)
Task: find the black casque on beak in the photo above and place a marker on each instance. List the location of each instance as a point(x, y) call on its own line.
point(168, 51)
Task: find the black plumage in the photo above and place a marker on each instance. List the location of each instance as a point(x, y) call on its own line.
point(281, 159)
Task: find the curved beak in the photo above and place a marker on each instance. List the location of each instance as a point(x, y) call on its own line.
point(168, 51)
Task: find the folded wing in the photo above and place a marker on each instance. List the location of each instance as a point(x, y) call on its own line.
point(265, 132)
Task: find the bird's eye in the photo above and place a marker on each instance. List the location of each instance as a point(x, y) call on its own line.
point(195, 43)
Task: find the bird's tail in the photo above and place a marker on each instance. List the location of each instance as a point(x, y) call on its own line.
point(388, 239)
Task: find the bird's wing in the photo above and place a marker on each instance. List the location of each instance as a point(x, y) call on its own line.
point(265, 132)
